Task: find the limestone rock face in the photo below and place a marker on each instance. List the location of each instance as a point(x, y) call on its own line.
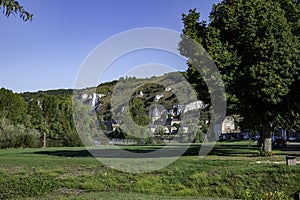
point(91, 99)
point(158, 97)
point(194, 105)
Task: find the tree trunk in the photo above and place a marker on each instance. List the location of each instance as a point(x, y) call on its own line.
point(267, 144)
point(142, 141)
point(44, 140)
point(267, 138)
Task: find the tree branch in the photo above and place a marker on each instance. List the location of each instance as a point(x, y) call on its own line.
point(13, 7)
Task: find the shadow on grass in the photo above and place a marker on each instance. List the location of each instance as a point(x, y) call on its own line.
point(151, 151)
point(292, 149)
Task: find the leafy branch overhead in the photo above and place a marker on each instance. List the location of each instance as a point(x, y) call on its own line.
point(13, 7)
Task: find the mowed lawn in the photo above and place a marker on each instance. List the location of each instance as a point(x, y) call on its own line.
point(233, 170)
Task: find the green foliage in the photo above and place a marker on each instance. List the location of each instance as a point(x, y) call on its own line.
point(15, 136)
point(51, 112)
point(43, 113)
point(264, 154)
point(13, 7)
point(106, 88)
point(199, 138)
point(86, 124)
point(28, 96)
point(36, 116)
point(138, 112)
point(255, 44)
point(12, 106)
point(117, 133)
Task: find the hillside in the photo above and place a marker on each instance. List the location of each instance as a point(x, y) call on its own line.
point(149, 88)
point(156, 101)
point(163, 90)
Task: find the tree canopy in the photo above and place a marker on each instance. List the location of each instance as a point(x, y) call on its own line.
point(255, 44)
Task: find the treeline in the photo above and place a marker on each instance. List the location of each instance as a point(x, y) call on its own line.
point(25, 118)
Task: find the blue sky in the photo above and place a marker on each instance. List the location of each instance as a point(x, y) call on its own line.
point(47, 53)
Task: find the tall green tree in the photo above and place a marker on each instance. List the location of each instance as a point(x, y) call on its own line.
point(255, 44)
point(37, 120)
point(52, 115)
point(86, 124)
point(13, 7)
point(13, 107)
point(138, 112)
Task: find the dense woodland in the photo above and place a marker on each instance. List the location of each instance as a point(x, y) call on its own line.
point(24, 118)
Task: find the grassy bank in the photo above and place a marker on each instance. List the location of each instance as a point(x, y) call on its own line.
point(232, 170)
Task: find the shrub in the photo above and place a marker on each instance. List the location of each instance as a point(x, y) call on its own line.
point(199, 137)
point(15, 136)
point(265, 154)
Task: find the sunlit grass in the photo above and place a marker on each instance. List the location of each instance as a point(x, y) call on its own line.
point(231, 170)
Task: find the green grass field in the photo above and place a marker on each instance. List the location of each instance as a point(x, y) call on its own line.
point(231, 171)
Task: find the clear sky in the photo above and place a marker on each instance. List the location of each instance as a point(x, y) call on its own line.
point(47, 52)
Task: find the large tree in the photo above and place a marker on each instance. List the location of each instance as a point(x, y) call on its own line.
point(13, 7)
point(13, 107)
point(255, 44)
